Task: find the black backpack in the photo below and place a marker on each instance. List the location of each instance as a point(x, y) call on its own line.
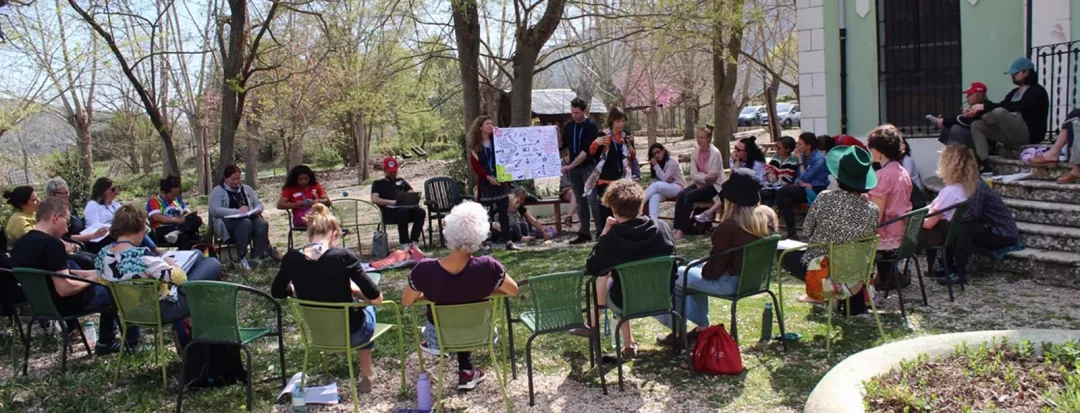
point(213, 365)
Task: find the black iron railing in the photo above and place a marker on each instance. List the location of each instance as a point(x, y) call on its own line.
point(918, 62)
point(1058, 65)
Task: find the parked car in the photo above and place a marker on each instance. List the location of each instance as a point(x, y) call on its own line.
point(750, 116)
point(793, 118)
point(788, 114)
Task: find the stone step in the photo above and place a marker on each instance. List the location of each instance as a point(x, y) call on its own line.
point(1049, 237)
point(1045, 212)
point(1058, 268)
point(1009, 166)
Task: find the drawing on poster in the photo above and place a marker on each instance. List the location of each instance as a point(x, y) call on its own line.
point(527, 153)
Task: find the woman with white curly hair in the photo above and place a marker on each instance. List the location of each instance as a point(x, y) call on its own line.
point(459, 278)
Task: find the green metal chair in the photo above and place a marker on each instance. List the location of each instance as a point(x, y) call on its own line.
point(215, 319)
point(758, 265)
point(907, 252)
point(325, 326)
point(35, 286)
point(646, 292)
point(355, 214)
point(556, 306)
point(137, 305)
point(960, 210)
point(465, 327)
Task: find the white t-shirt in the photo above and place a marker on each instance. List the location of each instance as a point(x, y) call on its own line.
point(949, 196)
point(96, 213)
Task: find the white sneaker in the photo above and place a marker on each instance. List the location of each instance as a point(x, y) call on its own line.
point(405, 247)
point(245, 265)
point(704, 217)
point(172, 236)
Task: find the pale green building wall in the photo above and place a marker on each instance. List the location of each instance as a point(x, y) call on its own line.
point(862, 70)
point(992, 35)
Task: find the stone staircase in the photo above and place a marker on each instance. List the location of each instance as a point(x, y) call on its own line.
point(1048, 217)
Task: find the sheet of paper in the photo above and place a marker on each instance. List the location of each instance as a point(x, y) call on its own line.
point(327, 394)
point(786, 244)
point(243, 215)
point(184, 259)
point(527, 153)
point(93, 228)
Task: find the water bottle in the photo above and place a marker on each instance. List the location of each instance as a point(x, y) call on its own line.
point(298, 403)
point(90, 329)
point(766, 322)
point(1064, 157)
point(345, 194)
point(423, 392)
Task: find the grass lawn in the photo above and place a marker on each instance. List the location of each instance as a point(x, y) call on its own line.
point(775, 379)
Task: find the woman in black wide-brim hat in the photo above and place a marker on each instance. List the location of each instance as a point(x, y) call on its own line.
point(840, 215)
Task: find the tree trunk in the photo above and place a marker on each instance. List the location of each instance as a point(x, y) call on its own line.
point(521, 94)
point(202, 159)
point(492, 95)
point(725, 74)
point(232, 95)
point(770, 107)
point(84, 144)
point(690, 116)
point(296, 150)
point(467, 35)
point(251, 158)
point(651, 122)
point(360, 138)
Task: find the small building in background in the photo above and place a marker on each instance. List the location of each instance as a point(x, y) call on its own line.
point(551, 106)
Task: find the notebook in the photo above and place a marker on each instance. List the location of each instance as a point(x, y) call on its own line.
point(184, 259)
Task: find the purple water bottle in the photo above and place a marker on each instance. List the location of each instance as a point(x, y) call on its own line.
point(423, 392)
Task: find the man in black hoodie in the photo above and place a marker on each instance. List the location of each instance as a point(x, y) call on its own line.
point(627, 236)
point(1018, 119)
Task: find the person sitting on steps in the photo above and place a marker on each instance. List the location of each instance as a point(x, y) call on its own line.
point(1072, 153)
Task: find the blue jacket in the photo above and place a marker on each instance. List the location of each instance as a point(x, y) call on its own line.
point(817, 173)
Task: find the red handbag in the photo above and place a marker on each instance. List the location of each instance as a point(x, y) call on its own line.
point(716, 352)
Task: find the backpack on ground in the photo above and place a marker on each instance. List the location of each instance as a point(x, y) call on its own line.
point(716, 352)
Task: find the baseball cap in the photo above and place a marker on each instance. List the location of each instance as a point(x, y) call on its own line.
point(1021, 63)
point(976, 87)
point(390, 164)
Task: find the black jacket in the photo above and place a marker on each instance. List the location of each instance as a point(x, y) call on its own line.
point(1034, 107)
point(632, 240)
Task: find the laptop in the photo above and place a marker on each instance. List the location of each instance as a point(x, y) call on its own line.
point(405, 199)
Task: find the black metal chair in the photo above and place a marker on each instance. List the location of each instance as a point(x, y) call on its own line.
point(950, 237)
point(441, 194)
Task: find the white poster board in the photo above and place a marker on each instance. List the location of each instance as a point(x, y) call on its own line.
point(527, 153)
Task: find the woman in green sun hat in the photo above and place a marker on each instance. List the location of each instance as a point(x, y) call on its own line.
point(838, 216)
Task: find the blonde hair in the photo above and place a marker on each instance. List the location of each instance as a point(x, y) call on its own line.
point(320, 221)
point(128, 220)
point(758, 220)
point(624, 197)
point(958, 165)
point(707, 129)
point(474, 139)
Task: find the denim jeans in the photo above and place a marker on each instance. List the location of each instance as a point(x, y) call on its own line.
point(205, 269)
point(363, 335)
point(102, 302)
point(697, 305)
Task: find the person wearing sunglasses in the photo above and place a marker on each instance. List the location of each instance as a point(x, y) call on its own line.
point(667, 178)
point(99, 213)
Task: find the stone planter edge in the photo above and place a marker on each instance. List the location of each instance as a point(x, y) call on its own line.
point(841, 390)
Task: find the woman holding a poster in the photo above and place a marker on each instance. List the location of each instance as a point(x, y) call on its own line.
point(489, 191)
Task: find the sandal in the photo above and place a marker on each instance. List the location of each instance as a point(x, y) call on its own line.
point(1068, 178)
point(1041, 160)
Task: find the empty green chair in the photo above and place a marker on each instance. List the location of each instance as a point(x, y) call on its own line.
point(355, 214)
point(137, 305)
point(465, 327)
point(556, 306)
point(907, 252)
point(646, 292)
point(758, 265)
point(325, 326)
point(215, 319)
point(36, 289)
